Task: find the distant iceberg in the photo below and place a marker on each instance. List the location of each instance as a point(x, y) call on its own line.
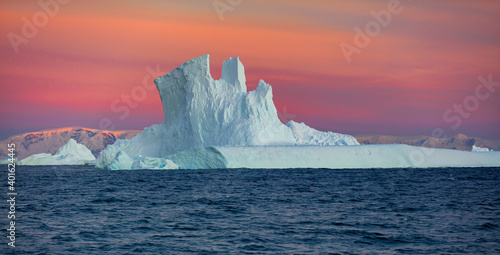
point(218, 124)
point(479, 149)
point(71, 153)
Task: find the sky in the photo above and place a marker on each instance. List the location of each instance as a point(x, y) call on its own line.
point(357, 67)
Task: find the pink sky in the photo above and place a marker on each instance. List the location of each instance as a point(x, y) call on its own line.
point(89, 53)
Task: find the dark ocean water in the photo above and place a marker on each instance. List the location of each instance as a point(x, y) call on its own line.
point(81, 210)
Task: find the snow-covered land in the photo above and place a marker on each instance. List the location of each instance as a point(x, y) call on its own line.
point(218, 124)
point(479, 149)
point(71, 153)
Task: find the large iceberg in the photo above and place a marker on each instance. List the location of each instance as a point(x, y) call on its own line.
point(72, 153)
point(218, 124)
point(201, 112)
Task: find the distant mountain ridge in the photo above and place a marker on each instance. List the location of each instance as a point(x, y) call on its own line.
point(457, 142)
point(49, 141)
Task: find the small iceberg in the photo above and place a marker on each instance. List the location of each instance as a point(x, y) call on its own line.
point(479, 149)
point(72, 153)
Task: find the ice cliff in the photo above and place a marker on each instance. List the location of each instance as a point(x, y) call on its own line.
point(201, 112)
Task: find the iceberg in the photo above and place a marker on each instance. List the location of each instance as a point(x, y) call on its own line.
point(214, 124)
point(202, 112)
point(72, 153)
point(479, 149)
point(331, 157)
